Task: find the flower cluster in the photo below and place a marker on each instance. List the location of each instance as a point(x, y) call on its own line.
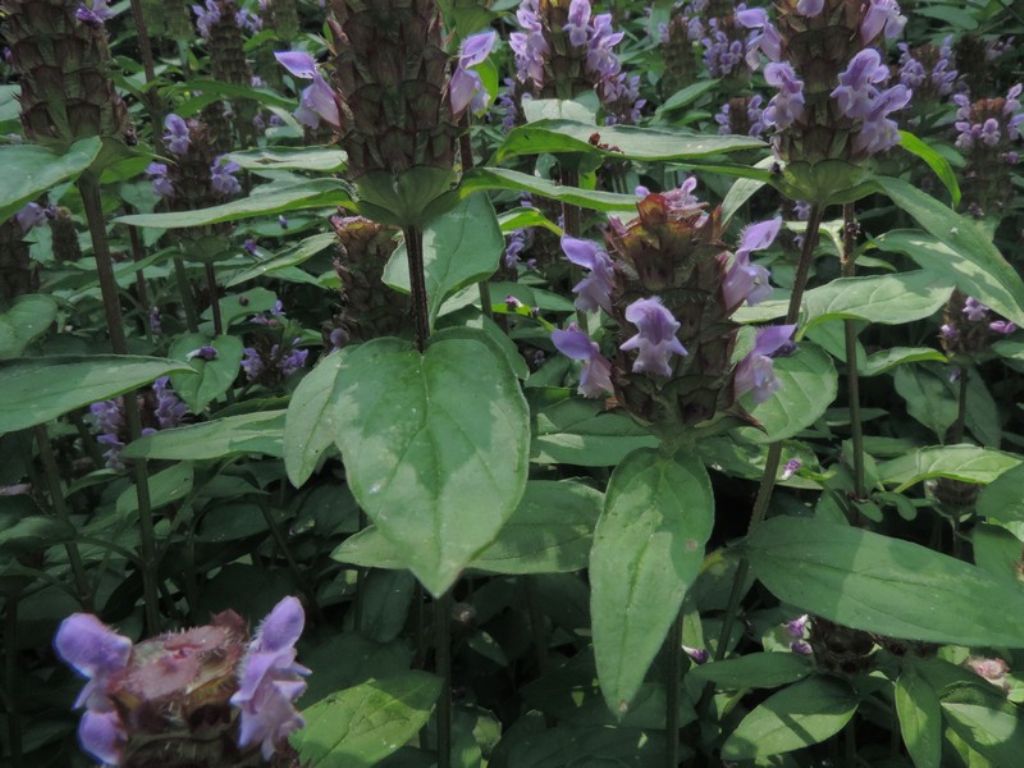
point(222, 177)
point(678, 38)
point(177, 136)
point(562, 51)
point(161, 409)
point(742, 116)
point(968, 326)
point(725, 47)
point(95, 14)
point(928, 70)
point(672, 287)
point(279, 361)
point(988, 133)
point(203, 695)
point(797, 631)
point(467, 88)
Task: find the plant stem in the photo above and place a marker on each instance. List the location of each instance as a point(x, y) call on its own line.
point(571, 213)
point(211, 286)
point(536, 625)
point(956, 434)
point(11, 686)
point(849, 266)
point(138, 254)
point(417, 280)
point(88, 442)
point(88, 186)
point(674, 672)
point(443, 668)
point(188, 301)
point(771, 468)
point(60, 510)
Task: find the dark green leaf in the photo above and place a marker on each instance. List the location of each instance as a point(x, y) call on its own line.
point(309, 426)
point(27, 319)
point(31, 170)
point(248, 433)
point(212, 378)
point(755, 670)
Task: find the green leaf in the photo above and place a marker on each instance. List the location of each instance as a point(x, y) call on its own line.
point(885, 360)
point(648, 548)
point(991, 726)
point(1002, 499)
point(966, 463)
point(435, 445)
point(535, 110)
point(483, 179)
point(806, 713)
point(963, 252)
point(809, 384)
point(38, 389)
point(875, 583)
point(618, 141)
point(550, 531)
point(461, 247)
point(741, 191)
point(259, 432)
point(685, 97)
point(32, 170)
point(293, 257)
point(928, 396)
point(578, 432)
point(920, 716)
point(318, 159)
point(939, 164)
point(755, 670)
point(309, 425)
point(212, 378)
point(359, 727)
point(370, 549)
point(269, 201)
point(27, 319)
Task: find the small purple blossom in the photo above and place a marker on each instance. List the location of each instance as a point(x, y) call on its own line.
point(882, 17)
point(250, 246)
point(518, 242)
point(205, 353)
point(856, 91)
point(222, 177)
point(655, 340)
point(594, 291)
point(756, 372)
point(698, 655)
point(787, 105)
point(176, 134)
point(791, 468)
point(170, 410)
point(798, 626)
point(764, 37)
point(1004, 327)
point(317, 101)
point(722, 55)
point(249, 21)
point(975, 311)
point(155, 326)
point(31, 216)
point(529, 46)
point(466, 86)
point(294, 360)
point(595, 378)
point(801, 647)
point(270, 680)
point(206, 17)
point(810, 8)
point(94, 15)
point(162, 185)
point(252, 363)
point(746, 281)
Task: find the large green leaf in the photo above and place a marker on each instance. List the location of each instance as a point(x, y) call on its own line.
point(210, 379)
point(550, 531)
point(578, 432)
point(313, 193)
point(991, 726)
point(1002, 499)
point(648, 548)
point(966, 463)
point(309, 426)
point(809, 384)
point(461, 247)
point(803, 714)
point(27, 319)
point(879, 584)
point(31, 170)
point(166, 486)
point(293, 257)
point(967, 257)
point(937, 162)
point(885, 360)
point(359, 727)
point(320, 159)
point(482, 179)
point(754, 670)
point(920, 716)
point(435, 445)
point(36, 390)
point(259, 432)
point(618, 141)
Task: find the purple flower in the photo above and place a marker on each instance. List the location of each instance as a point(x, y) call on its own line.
point(764, 39)
point(176, 134)
point(856, 92)
point(317, 101)
point(298, 63)
point(529, 46)
point(31, 216)
point(294, 360)
point(792, 467)
point(879, 133)
point(801, 647)
point(270, 680)
point(974, 310)
point(466, 87)
point(205, 353)
point(252, 363)
point(699, 655)
point(95, 15)
point(518, 242)
point(949, 332)
point(250, 246)
point(746, 281)
point(756, 372)
point(810, 8)
point(155, 326)
point(595, 379)
point(1005, 327)
point(162, 185)
point(721, 54)
point(883, 16)
point(222, 177)
point(594, 291)
point(579, 21)
point(102, 734)
point(169, 410)
point(249, 21)
point(338, 338)
point(206, 17)
point(655, 340)
point(798, 626)
point(788, 104)
point(601, 59)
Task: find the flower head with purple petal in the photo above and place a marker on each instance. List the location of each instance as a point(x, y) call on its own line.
point(177, 136)
point(655, 341)
point(746, 281)
point(466, 86)
point(756, 372)
point(594, 291)
point(222, 177)
point(94, 14)
point(207, 16)
point(883, 17)
point(162, 184)
point(787, 105)
point(595, 378)
point(31, 216)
